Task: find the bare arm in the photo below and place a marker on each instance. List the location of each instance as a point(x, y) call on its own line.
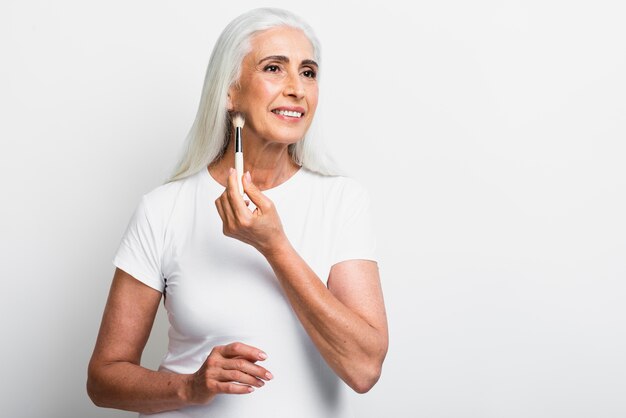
point(347, 320)
point(116, 379)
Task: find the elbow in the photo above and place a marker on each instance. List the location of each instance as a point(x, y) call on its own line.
point(365, 382)
point(369, 373)
point(94, 390)
point(93, 395)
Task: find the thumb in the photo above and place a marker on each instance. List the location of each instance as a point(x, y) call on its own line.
point(253, 192)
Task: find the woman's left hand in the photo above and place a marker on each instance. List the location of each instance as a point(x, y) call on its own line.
point(260, 228)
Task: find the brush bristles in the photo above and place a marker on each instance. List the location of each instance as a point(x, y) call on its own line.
point(238, 120)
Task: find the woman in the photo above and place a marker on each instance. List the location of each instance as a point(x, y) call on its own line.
point(286, 304)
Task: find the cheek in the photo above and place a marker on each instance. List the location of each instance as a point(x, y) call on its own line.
point(313, 96)
point(256, 95)
point(264, 92)
point(257, 101)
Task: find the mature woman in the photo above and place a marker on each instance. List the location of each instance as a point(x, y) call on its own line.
point(276, 298)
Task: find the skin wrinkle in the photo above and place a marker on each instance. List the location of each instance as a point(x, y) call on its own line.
point(258, 92)
point(285, 59)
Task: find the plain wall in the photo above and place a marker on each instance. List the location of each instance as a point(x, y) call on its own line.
point(490, 134)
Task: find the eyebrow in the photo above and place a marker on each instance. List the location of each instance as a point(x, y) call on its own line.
point(282, 58)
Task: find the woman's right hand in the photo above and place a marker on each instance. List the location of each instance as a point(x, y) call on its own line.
point(229, 369)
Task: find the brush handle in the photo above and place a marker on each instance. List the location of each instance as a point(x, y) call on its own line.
point(239, 169)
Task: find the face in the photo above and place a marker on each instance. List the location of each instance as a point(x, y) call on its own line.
point(277, 89)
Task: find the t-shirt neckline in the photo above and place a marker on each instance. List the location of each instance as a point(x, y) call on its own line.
point(279, 187)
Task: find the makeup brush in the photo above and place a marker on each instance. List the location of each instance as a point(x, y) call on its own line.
point(238, 121)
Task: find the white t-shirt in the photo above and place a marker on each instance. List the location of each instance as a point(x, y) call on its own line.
point(220, 290)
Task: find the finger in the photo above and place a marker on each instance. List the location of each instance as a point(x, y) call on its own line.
point(247, 367)
point(256, 196)
point(241, 378)
point(227, 209)
point(233, 388)
point(225, 214)
point(238, 349)
point(220, 209)
point(235, 199)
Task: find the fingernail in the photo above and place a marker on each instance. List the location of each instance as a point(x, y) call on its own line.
point(269, 376)
point(250, 389)
point(262, 355)
point(248, 178)
point(231, 170)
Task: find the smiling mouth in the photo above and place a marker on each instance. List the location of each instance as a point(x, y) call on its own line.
point(289, 113)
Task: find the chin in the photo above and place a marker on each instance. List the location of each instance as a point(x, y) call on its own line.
point(287, 139)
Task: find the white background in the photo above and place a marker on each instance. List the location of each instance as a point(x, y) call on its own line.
point(490, 134)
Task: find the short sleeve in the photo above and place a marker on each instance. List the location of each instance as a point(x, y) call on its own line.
point(139, 253)
point(355, 237)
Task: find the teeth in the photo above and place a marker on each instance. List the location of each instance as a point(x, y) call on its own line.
point(288, 113)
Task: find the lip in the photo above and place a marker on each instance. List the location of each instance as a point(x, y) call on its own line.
point(291, 109)
point(289, 118)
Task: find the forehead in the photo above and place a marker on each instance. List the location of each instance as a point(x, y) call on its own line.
point(281, 40)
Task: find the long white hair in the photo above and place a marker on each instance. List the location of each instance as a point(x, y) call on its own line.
point(209, 134)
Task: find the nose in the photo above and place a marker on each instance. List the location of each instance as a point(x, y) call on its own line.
point(294, 87)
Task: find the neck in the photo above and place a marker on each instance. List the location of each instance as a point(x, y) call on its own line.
point(269, 163)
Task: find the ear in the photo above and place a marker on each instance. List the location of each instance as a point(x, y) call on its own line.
point(229, 103)
point(231, 98)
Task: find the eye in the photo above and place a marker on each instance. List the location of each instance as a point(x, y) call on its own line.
point(309, 73)
point(271, 68)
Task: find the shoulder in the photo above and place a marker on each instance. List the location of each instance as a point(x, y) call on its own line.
point(339, 183)
point(160, 202)
point(339, 186)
